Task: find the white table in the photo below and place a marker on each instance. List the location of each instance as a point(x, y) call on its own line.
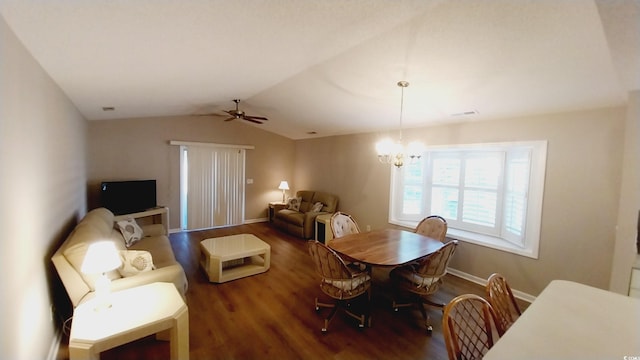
point(232, 257)
point(134, 314)
point(573, 321)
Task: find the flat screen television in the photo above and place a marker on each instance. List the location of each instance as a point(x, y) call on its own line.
point(124, 197)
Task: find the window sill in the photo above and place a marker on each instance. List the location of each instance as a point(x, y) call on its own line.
point(490, 242)
point(477, 239)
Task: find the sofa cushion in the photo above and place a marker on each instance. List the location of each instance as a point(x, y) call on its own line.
point(130, 230)
point(307, 197)
point(100, 218)
point(77, 247)
point(135, 262)
point(294, 203)
point(160, 249)
point(329, 201)
point(291, 217)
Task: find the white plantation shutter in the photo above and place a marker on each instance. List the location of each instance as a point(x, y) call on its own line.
point(482, 183)
point(445, 190)
point(515, 195)
point(490, 194)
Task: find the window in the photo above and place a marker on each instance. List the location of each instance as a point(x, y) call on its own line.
point(490, 194)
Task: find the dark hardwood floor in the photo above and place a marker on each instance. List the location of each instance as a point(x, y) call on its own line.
point(272, 315)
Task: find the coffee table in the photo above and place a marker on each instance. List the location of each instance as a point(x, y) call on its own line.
point(134, 313)
point(232, 257)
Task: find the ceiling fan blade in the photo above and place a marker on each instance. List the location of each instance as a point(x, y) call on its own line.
point(256, 117)
point(211, 115)
point(229, 119)
point(253, 121)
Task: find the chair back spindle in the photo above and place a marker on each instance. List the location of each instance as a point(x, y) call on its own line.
point(501, 298)
point(469, 327)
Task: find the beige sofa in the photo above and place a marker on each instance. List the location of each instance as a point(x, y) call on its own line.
point(99, 224)
point(301, 223)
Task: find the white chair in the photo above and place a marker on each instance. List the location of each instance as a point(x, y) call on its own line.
point(343, 224)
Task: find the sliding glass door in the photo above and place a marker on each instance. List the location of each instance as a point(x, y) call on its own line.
point(212, 189)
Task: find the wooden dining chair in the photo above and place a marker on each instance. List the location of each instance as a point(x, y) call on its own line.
point(343, 224)
point(501, 298)
point(422, 279)
point(433, 226)
point(469, 327)
point(341, 283)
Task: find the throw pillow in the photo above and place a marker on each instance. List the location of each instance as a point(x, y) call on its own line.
point(294, 203)
point(317, 207)
point(135, 262)
point(131, 231)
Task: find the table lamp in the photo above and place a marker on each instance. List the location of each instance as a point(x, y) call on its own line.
point(101, 257)
point(284, 186)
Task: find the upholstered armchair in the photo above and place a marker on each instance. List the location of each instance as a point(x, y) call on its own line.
point(299, 220)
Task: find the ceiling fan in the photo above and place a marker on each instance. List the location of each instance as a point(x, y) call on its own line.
point(237, 114)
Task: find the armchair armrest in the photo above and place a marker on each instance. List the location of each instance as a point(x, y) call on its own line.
point(310, 222)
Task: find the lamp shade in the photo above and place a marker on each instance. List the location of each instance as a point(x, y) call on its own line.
point(101, 257)
point(283, 185)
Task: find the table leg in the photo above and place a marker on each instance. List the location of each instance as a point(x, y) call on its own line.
point(179, 346)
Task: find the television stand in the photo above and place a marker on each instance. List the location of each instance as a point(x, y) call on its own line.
point(158, 215)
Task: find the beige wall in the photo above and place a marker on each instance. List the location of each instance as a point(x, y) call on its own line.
point(580, 201)
point(42, 167)
point(582, 187)
point(625, 248)
point(139, 149)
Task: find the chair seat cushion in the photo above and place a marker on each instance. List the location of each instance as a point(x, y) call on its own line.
point(348, 285)
point(408, 274)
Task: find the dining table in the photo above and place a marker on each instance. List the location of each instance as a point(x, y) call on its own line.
point(385, 247)
point(569, 320)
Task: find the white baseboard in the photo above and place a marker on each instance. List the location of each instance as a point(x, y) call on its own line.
point(480, 281)
point(249, 221)
point(253, 221)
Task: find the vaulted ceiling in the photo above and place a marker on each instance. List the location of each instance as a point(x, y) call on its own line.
point(331, 66)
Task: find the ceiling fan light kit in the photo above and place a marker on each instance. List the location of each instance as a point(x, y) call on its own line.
point(390, 152)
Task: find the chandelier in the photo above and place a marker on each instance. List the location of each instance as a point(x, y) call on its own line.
point(396, 153)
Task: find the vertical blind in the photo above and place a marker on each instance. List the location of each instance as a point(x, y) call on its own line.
point(212, 183)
